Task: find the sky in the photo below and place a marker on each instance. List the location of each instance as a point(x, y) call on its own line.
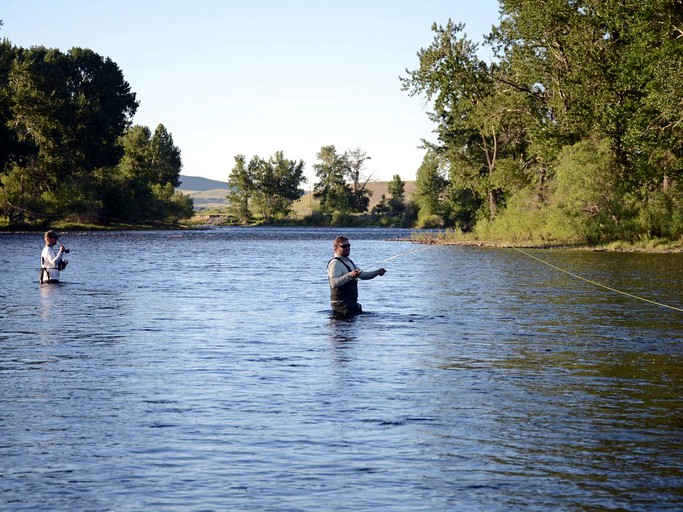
point(255, 77)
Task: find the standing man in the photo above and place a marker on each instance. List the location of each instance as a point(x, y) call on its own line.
point(344, 275)
point(51, 262)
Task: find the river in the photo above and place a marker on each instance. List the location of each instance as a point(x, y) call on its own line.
point(202, 370)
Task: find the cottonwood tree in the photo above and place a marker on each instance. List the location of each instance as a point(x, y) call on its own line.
point(271, 186)
point(332, 189)
point(241, 185)
point(66, 112)
point(277, 184)
point(360, 195)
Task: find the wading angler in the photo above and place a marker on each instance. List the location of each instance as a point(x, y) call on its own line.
point(343, 276)
point(51, 260)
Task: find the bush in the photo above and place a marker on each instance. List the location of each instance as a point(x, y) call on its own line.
point(343, 219)
point(662, 214)
point(429, 221)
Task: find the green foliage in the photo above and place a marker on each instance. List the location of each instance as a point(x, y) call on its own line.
point(241, 186)
point(141, 188)
point(270, 185)
point(331, 189)
point(586, 188)
point(429, 221)
point(391, 211)
point(355, 165)
point(526, 220)
point(277, 185)
point(662, 216)
point(68, 152)
point(580, 116)
point(382, 207)
point(164, 158)
point(341, 185)
point(397, 191)
point(430, 186)
point(479, 119)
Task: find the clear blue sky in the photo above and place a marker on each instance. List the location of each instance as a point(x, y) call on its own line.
point(253, 77)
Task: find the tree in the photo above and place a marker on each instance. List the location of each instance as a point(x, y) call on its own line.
point(360, 195)
point(141, 187)
point(241, 184)
point(566, 73)
point(430, 187)
point(277, 185)
point(601, 69)
point(331, 189)
point(397, 189)
point(66, 112)
point(382, 207)
point(8, 140)
point(271, 185)
point(166, 163)
point(472, 111)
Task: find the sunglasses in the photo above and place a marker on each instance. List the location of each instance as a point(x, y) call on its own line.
point(345, 246)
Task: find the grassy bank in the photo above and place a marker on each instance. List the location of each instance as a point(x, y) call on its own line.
point(452, 237)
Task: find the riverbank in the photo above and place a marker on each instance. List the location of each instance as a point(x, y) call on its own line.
point(651, 245)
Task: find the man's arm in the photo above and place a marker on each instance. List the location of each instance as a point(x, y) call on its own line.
point(338, 274)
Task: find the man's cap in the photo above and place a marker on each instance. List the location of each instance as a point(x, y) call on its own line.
point(51, 234)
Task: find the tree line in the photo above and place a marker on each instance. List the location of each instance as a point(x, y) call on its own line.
point(574, 132)
point(69, 150)
point(265, 190)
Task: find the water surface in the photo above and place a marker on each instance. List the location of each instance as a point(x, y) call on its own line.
point(203, 371)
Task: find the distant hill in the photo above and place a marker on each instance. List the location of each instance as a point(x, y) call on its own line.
point(210, 194)
point(205, 193)
point(199, 184)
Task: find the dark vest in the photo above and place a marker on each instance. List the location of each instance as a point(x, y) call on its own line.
point(347, 292)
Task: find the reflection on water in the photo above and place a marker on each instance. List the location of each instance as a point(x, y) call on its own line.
point(219, 380)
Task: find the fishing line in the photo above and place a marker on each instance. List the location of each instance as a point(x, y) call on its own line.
point(404, 253)
point(596, 283)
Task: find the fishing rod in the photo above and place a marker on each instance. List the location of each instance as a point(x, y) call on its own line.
point(405, 253)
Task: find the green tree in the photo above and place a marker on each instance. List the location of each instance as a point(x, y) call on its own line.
point(397, 191)
point(602, 69)
point(476, 115)
point(66, 112)
point(141, 187)
point(8, 140)
point(430, 188)
point(241, 188)
point(166, 163)
point(588, 191)
point(277, 184)
point(270, 185)
point(382, 207)
point(360, 195)
point(566, 73)
point(331, 189)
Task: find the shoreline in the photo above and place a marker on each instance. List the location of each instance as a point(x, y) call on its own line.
point(653, 247)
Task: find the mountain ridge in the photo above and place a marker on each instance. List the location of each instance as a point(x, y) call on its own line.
point(199, 184)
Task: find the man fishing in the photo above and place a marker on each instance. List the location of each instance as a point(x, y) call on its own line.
point(51, 261)
point(344, 275)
